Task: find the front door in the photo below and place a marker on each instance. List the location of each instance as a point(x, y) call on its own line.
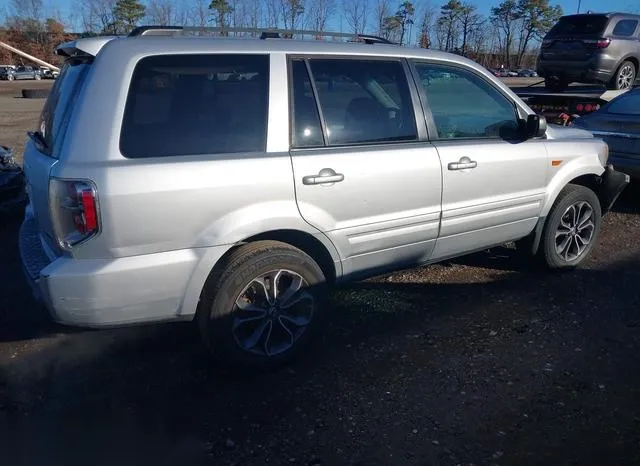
point(493, 181)
point(364, 173)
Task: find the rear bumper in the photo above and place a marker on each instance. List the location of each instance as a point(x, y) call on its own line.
point(112, 292)
point(599, 69)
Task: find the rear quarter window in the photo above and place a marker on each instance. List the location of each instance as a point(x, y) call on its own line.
point(196, 104)
point(55, 113)
point(625, 27)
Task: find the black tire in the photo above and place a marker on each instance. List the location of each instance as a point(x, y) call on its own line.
point(555, 84)
point(218, 315)
point(35, 93)
point(629, 71)
point(571, 195)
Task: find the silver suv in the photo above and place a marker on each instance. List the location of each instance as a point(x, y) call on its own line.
point(229, 181)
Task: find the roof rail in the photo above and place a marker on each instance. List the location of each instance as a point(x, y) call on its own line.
point(264, 33)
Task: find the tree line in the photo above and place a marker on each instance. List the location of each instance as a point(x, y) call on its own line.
point(507, 36)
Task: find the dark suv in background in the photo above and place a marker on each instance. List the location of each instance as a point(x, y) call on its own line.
point(593, 49)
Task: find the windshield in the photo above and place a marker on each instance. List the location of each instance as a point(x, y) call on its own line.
point(55, 113)
point(628, 104)
point(583, 24)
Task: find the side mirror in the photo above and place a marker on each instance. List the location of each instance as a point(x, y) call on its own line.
point(536, 126)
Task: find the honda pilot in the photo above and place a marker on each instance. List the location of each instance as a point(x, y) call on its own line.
point(231, 181)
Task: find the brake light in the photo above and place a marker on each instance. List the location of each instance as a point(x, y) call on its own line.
point(597, 43)
point(74, 211)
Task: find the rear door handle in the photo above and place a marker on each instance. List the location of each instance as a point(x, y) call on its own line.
point(462, 164)
point(325, 176)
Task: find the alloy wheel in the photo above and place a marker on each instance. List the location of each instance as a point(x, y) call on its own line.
point(626, 76)
point(272, 312)
point(575, 232)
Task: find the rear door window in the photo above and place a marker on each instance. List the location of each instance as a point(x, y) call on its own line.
point(57, 108)
point(196, 104)
point(625, 27)
point(364, 101)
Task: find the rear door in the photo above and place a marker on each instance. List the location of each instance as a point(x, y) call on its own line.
point(493, 183)
point(42, 150)
point(364, 173)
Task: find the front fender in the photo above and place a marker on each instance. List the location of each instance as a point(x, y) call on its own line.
point(573, 169)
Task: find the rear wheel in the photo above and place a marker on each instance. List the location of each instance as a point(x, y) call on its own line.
point(261, 309)
point(571, 229)
point(625, 77)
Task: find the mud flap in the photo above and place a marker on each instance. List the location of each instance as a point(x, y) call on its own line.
point(612, 183)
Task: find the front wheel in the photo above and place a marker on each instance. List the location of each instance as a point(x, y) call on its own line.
point(37, 77)
point(571, 229)
point(262, 307)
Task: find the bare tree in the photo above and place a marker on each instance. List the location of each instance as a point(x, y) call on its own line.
point(425, 39)
point(273, 13)
point(97, 16)
point(199, 13)
point(164, 12)
point(469, 22)
point(355, 12)
point(27, 9)
point(291, 12)
point(505, 17)
point(319, 14)
point(254, 12)
point(383, 10)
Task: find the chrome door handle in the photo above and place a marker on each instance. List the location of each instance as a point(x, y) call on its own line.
point(463, 163)
point(326, 175)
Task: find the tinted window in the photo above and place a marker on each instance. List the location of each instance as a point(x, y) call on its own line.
point(54, 116)
point(627, 104)
point(464, 105)
point(364, 101)
point(196, 104)
point(625, 27)
point(583, 24)
point(307, 130)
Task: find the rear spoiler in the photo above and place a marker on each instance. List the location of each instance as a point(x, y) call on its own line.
point(88, 47)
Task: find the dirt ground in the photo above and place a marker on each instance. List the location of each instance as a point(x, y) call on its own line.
point(18, 115)
point(482, 360)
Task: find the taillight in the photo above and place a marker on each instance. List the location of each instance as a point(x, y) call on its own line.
point(597, 43)
point(74, 211)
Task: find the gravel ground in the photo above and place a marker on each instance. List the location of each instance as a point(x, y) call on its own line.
point(481, 360)
point(18, 115)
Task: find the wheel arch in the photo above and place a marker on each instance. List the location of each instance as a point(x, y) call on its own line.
point(588, 180)
point(307, 243)
point(319, 250)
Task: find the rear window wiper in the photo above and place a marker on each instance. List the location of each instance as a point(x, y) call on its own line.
point(38, 139)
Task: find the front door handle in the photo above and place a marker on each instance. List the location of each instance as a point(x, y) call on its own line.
point(326, 175)
point(463, 163)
